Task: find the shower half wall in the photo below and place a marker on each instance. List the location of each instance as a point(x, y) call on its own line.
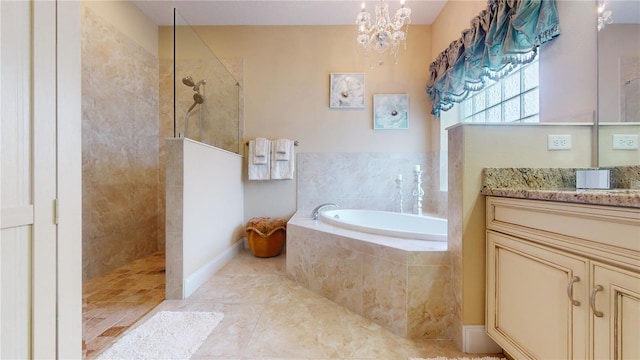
point(202, 175)
point(223, 96)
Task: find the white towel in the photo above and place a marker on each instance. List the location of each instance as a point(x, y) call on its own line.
point(261, 151)
point(283, 169)
point(282, 148)
point(258, 171)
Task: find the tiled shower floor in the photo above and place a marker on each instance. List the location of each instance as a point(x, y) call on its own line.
point(111, 303)
point(266, 316)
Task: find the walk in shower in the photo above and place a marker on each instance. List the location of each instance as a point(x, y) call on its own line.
point(207, 91)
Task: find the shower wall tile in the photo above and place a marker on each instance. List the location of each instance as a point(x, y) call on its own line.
point(367, 180)
point(174, 220)
point(119, 148)
point(165, 132)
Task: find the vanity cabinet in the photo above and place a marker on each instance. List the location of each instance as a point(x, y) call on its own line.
point(616, 324)
point(563, 280)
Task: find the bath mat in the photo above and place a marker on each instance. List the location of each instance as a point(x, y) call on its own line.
point(459, 358)
point(166, 335)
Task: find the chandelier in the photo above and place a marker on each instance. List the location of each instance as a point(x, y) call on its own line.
point(604, 16)
point(384, 33)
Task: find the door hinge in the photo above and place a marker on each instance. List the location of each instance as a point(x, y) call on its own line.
point(56, 211)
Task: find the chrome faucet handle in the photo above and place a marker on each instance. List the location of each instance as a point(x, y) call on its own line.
point(316, 211)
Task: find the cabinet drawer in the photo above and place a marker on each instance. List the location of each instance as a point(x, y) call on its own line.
point(590, 229)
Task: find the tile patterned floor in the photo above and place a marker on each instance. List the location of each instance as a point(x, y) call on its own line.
point(113, 302)
point(267, 316)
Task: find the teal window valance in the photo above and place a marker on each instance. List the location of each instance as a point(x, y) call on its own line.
point(507, 33)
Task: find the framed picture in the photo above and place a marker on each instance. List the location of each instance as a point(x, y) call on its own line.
point(390, 111)
point(347, 91)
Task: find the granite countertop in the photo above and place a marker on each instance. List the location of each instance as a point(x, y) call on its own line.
point(559, 185)
point(613, 197)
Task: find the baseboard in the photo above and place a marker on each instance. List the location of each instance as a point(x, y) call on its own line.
point(195, 280)
point(476, 341)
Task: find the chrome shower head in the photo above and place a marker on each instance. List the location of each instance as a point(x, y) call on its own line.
point(196, 87)
point(188, 80)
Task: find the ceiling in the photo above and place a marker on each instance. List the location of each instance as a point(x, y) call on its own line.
point(313, 12)
point(624, 11)
point(278, 12)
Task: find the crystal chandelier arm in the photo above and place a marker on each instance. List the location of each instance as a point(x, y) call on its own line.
point(385, 33)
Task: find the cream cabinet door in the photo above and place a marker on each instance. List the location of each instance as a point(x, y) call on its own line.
point(537, 304)
point(615, 301)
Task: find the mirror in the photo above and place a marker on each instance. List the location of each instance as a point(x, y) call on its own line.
point(619, 83)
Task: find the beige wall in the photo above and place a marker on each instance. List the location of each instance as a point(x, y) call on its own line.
point(454, 17)
point(286, 90)
point(473, 147)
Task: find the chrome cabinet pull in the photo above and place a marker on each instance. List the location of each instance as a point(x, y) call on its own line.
point(592, 300)
point(573, 280)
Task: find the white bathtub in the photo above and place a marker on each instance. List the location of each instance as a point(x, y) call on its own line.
point(407, 226)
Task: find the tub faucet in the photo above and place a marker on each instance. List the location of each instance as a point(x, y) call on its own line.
point(316, 211)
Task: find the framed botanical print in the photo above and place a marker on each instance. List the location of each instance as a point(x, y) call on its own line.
point(390, 111)
point(347, 91)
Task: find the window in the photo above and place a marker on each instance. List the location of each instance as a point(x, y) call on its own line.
point(514, 98)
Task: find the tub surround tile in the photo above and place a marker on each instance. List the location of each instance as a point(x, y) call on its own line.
point(559, 185)
point(367, 180)
point(429, 305)
point(299, 253)
point(335, 273)
point(384, 293)
point(428, 258)
point(367, 275)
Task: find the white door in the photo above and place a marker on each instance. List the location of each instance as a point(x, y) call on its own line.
point(30, 309)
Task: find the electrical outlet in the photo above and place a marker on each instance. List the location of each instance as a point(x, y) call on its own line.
point(625, 141)
point(558, 142)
